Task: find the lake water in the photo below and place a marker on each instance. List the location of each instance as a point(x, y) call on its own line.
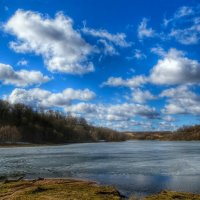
point(133, 167)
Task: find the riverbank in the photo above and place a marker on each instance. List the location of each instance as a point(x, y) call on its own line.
point(29, 145)
point(172, 195)
point(21, 145)
point(70, 189)
point(58, 189)
point(7, 145)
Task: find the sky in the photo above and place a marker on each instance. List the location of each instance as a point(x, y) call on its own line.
point(124, 64)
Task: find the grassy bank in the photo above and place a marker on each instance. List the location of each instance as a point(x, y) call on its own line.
point(57, 189)
point(61, 189)
point(172, 195)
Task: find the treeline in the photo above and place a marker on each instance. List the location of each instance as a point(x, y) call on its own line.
point(185, 133)
point(21, 123)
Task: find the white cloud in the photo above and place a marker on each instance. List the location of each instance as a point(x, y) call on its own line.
point(131, 125)
point(139, 55)
point(43, 98)
point(107, 43)
point(182, 12)
point(169, 118)
point(136, 81)
point(158, 51)
point(108, 48)
point(183, 27)
point(181, 100)
point(141, 96)
point(114, 113)
point(21, 78)
point(22, 62)
point(118, 39)
point(175, 68)
point(61, 46)
point(187, 36)
point(144, 30)
point(189, 31)
point(166, 126)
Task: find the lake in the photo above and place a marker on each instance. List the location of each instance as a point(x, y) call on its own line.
point(133, 167)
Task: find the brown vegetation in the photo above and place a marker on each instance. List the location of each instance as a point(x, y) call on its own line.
point(186, 133)
point(57, 189)
point(172, 195)
point(67, 189)
point(9, 134)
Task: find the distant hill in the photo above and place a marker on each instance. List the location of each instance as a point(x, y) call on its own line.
point(21, 123)
point(186, 133)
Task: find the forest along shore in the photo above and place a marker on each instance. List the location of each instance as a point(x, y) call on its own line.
point(23, 125)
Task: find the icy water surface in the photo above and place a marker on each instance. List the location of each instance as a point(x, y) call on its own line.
point(134, 167)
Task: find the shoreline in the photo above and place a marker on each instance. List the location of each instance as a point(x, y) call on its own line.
point(58, 189)
point(63, 144)
point(73, 188)
point(40, 145)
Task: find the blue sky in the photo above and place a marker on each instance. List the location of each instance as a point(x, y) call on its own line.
point(128, 65)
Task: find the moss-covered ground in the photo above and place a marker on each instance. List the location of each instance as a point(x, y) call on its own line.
point(66, 189)
point(57, 190)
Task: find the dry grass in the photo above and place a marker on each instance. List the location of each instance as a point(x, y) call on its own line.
point(172, 195)
point(57, 190)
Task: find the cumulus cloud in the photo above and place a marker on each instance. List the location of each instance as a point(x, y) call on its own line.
point(118, 116)
point(61, 46)
point(21, 78)
point(181, 100)
point(43, 98)
point(136, 81)
point(131, 125)
point(113, 113)
point(145, 31)
point(175, 68)
point(169, 118)
point(166, 126)
point(141, 96)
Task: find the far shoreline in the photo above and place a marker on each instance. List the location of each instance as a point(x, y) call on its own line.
point(7, 145)
point(41, 145)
